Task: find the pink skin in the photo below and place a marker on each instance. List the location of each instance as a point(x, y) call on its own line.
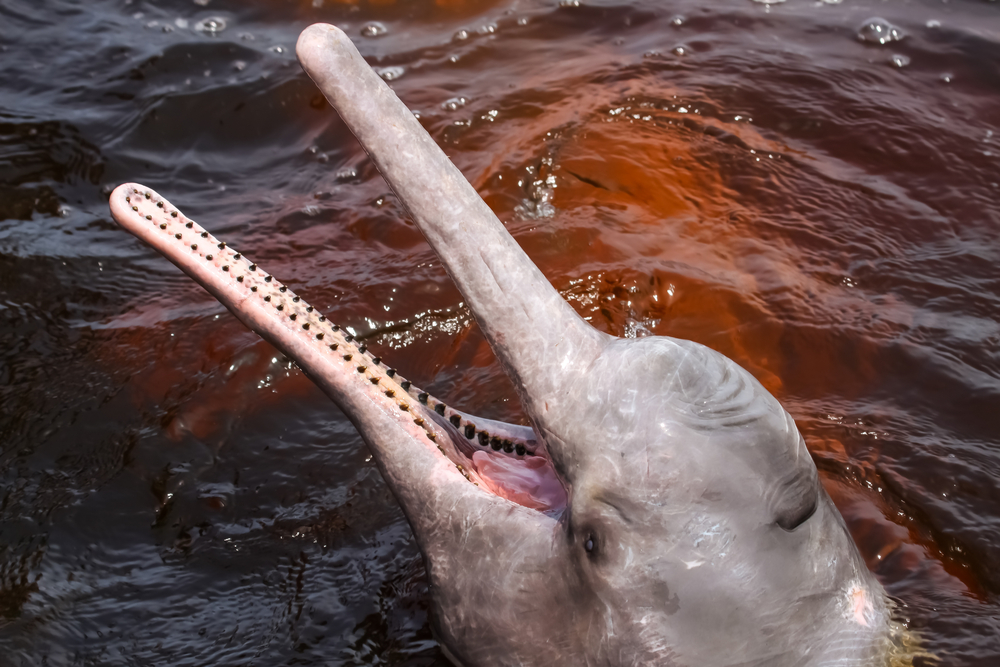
point(277, 314)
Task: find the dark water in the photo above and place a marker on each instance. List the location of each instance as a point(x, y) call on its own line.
point(823, 208)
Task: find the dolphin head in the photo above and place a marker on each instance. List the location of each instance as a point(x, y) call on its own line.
point(662, 507)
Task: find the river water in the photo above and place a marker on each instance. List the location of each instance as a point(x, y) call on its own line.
point(812, 188)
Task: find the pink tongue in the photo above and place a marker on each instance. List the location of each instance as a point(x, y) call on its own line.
point(530, 482)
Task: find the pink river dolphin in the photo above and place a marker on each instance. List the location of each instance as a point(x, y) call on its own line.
point(661, 508)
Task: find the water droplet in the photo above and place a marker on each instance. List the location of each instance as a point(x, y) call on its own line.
point(932, 24)
point(460, 35)
point(677, 20)
point(239, 65)
point(202, 3)
point(569, 3)
point(213, 25)
point(181, 23)
point(454, 103)
point(879, 31)
point(900, 60)
point(832, 2)
point(679, 50)
point(947, 78)
point(390, 73)
point(769, 2)
point(487, 29)
point(373, 29)
point(347, 173)
point(277, 49)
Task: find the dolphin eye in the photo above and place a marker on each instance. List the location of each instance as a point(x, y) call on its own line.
point(589, 545)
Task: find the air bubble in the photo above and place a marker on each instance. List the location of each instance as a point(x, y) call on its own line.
point(900, 60)
point(374, 29)
point(213, 25)
point(879, 31)
point(454, 103)
point(390, 73)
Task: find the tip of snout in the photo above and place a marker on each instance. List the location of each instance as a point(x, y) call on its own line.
point(318, 43)
point(121, 207)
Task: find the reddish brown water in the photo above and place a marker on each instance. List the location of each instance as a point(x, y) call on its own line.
point(823, 208)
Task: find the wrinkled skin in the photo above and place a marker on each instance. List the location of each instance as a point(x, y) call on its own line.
point(689, 526)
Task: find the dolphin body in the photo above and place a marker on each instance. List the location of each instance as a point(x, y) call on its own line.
point(661, 509)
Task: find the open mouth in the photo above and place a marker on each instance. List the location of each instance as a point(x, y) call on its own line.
point(505, 460)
